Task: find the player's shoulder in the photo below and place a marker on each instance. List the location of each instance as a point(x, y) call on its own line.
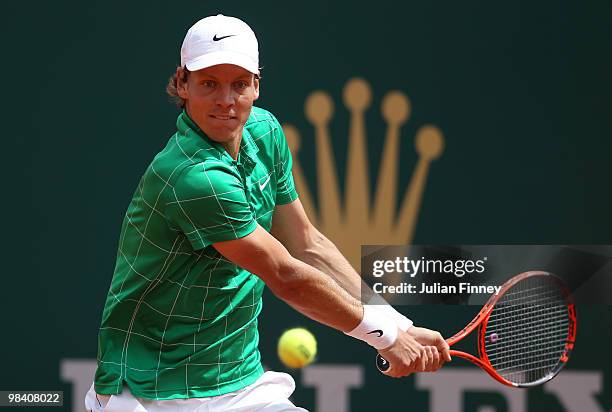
point(210, 177)
point(261, 123)
point(266, 131)
point(183, 164)
point(260, 115)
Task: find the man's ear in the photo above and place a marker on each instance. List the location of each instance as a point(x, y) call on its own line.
point(181, 83)
point(256, 84)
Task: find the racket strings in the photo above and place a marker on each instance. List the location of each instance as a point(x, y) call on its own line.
point(519, 346)
point(541, 299)
point(521, 296)
point(527, 330)
point(536, 315)
point(535, 354)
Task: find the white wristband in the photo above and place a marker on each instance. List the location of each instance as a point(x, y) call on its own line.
point(378, 303)
point(376, 329)
point(402, 322)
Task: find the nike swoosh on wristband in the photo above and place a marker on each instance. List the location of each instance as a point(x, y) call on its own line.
point(380, 332)
point(215, 38)
point(264, 184)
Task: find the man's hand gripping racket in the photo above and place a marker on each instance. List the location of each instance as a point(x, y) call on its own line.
point(525, 333)
point(416, 350)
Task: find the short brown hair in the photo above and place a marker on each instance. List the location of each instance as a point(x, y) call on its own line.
point(171, 87)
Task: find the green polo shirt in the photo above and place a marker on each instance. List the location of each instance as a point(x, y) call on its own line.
point(180, 320)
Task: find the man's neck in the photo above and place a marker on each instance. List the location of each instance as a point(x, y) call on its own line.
point(233, 146)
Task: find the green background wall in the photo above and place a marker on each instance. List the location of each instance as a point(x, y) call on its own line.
point(521, 90)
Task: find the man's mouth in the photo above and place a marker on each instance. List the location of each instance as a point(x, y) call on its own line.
point(222, 116)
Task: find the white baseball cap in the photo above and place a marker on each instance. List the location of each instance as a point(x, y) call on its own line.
point(220, 40)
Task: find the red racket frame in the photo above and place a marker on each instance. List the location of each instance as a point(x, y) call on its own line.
point(482, 318)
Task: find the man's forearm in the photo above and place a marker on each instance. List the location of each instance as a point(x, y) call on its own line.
point(315, 295)
point(322, 254)
point(325, 256)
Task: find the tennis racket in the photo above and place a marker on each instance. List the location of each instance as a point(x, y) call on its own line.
point(525, 333)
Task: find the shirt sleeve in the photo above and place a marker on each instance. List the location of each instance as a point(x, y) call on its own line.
point(285, 187)
point(208, 204)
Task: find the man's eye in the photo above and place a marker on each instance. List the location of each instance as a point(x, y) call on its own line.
point(241, 84)
point(208, 83)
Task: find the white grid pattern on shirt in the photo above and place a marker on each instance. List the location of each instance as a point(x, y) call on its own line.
point(171, 255)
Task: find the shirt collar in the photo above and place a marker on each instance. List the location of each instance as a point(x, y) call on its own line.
point(248, 148)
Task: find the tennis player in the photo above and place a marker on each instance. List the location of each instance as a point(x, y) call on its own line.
point(215, 218)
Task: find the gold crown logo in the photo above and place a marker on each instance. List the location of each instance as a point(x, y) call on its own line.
point(357, 223)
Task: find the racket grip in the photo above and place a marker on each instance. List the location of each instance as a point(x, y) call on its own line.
point(382, 364)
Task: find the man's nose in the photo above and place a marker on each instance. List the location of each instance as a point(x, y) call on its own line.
point(225, 96)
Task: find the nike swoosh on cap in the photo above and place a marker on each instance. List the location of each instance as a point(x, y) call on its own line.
point(380, 332)
point(215, 38)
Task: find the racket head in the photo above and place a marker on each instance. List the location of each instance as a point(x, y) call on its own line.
point(529, 330)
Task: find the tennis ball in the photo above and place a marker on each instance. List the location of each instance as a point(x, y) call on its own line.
point(297, 347)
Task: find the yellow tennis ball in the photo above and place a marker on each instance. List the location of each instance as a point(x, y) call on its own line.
point(297, 347)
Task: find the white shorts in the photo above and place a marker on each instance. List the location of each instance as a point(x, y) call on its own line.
point(269, 393)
